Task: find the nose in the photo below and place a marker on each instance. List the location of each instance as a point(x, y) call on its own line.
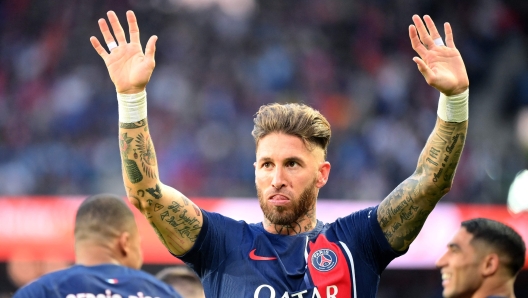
point(278, 181)
point(442, 261)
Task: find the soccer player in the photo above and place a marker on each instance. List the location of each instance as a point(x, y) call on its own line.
point(183, 279)
point(290, 253)
point(482, 260)
point(107, 258)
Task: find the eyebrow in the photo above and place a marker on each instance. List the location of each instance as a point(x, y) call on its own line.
point(295, 159)
point(288, 159)
point(263, 159)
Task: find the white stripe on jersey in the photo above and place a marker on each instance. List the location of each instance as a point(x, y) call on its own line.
point(353, 272)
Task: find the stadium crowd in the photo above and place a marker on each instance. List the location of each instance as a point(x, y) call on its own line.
point(219, 60)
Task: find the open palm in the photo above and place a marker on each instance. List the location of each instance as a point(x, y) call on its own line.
point(441, 66)
point(129, 68)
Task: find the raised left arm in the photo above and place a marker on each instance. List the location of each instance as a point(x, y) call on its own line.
point(403, 212)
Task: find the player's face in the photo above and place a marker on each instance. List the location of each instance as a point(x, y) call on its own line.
point(460, 267)
point(288, 176)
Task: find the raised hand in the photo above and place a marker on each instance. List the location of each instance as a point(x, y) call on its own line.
point(442, 66)
point(129, 68)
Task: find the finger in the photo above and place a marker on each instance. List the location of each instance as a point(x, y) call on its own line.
point(150, 48)
point(425, 38)
point(107, 35)
point(415, 42)
point(98, 47)
point(450, 42)
point(433, 32)
point(424, 69)
point(116, 27)
point(133, 28)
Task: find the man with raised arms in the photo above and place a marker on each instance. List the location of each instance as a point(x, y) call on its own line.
point(290, 253)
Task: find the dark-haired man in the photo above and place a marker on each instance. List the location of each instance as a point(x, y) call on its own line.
point(107, 256)
point(482, 260)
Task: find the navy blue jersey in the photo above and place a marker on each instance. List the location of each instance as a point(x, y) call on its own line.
point(103, 281)
point(341, 259)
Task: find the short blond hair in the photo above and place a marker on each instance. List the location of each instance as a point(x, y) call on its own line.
point(294, 119)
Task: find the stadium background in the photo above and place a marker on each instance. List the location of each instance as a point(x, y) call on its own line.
point(219, 60)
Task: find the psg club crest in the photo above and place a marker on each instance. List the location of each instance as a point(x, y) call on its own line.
point(324, 260)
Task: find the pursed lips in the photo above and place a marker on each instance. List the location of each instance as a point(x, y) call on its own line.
point(278, 200)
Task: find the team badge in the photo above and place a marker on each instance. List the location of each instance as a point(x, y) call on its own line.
point(324, 259)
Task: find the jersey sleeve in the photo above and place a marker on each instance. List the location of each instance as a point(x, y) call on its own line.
point(217, 239)
point(362, 232)
point(34, 289)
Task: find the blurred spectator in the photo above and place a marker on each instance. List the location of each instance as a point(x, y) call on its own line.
point(183, 280)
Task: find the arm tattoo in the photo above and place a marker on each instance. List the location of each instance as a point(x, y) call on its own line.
point(186, 226)
point(403, 213)
point(133, 125)
point(155, 192)
point(158, 207)
point(176, 222)
point(146, 154)
point(130, 166)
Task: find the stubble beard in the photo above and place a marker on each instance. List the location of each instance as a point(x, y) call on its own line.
point(280, 215)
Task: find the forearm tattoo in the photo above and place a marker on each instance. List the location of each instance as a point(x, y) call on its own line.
point(130, 166)
point(402, 214)
point(186, 226)
point(146, 154)
point(182, 224)
point(175, 223)
point(137, 149)
point(140, 123)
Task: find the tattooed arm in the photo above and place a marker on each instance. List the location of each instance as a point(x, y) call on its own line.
point(403, 212)
point(176, 220)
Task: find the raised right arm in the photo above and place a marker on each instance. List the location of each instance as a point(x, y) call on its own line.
point(176, 220)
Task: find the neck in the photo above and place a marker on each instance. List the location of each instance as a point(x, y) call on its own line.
point(92, 254)
point(499, 288)
point(304, 223)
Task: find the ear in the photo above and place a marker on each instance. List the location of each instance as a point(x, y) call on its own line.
point(324, 172)
point(124, 244)
point(490, 264)
point(255, 164)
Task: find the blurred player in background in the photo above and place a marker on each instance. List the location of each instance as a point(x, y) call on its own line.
point(183, 279)
point(291, 253)
point(107, 256)
point(482, 260)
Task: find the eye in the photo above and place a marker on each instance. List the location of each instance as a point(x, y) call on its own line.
point(291, 163)
point(266, 165)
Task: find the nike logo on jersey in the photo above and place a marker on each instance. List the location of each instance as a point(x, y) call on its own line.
point(254, 257)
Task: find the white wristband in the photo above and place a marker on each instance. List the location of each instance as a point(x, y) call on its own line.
point(132, 107)
point(454, 108)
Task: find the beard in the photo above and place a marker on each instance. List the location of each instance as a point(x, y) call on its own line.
point(280, 215)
